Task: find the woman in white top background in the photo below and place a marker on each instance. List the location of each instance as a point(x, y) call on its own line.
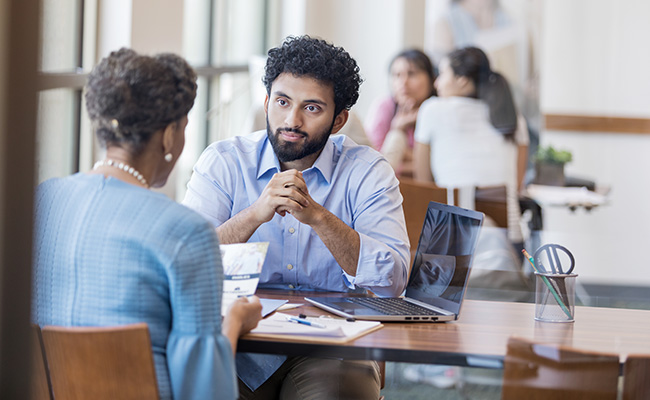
point(469, 136)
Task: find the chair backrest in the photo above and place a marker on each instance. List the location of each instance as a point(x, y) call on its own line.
point(417, 196)
point(492, 201)
point(636, 377)
point(100, 362)
point(39, 385)
point(538, 371)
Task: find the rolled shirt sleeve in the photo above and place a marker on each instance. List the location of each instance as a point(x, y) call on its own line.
point(379, 221)
point(204, 191)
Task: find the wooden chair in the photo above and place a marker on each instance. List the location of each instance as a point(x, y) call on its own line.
point(39, 385)
point(636, 378)
point(417, 196)
point(100, 362)
point(492, 202)
point(538, 371)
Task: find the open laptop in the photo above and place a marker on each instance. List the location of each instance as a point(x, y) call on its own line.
point(438, 278)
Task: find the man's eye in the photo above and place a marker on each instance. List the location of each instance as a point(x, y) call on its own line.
point(312, 108)
point(282, 102)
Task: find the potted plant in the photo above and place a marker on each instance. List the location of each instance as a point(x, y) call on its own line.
point(549, 165)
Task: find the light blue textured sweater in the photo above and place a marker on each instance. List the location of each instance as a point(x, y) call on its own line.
point(110, 253)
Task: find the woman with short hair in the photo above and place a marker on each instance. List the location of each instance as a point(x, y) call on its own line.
point(109, 251)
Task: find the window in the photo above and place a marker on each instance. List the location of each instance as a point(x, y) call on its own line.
point(66, 52)
point(220, 46)
point(219, 39)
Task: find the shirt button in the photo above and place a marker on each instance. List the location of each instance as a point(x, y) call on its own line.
point(289, 266)
point(291, 286)
point(291, 230)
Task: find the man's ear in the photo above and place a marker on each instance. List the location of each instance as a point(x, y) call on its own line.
point(340, 121)
point(266, 104)
point(169, 136)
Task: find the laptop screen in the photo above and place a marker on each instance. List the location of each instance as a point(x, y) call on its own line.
point(444, 255)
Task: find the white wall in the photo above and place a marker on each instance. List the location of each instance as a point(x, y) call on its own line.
point(114, 26)
point(164, 33)
point(595, 61)
point(595, 58)
point(610, 241)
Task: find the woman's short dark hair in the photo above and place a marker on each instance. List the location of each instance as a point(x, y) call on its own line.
point(306, 56)
point(130, 96)
point(491, 87)
point(419, 60)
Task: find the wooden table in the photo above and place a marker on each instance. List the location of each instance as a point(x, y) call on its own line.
point(477, 339)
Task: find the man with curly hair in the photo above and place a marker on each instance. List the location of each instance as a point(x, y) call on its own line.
point(331, 209)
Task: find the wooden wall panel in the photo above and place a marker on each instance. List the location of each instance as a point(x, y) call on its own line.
point(584, 123)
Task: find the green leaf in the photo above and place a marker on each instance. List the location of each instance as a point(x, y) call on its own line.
point(550, 155)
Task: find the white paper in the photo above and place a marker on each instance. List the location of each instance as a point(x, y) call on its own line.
point(270, 305)
point(277, 324)
point(242, 265)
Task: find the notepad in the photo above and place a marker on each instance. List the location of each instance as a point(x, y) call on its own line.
point(336, 329)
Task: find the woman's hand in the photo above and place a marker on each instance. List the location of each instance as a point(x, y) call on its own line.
point(405, 116)
point(242, 316)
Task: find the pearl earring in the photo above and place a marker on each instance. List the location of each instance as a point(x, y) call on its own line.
point(168, 157)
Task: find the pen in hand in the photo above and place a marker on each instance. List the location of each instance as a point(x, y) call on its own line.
point(305, 322)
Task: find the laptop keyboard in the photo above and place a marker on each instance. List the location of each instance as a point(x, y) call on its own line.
point(392, 306)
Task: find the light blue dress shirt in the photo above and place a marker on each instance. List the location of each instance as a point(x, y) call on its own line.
point(353, 182)
point(110, 253)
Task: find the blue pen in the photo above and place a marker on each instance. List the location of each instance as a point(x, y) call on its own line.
point(305, 322)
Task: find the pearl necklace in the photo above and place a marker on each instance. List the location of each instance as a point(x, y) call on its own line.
point(124, 167)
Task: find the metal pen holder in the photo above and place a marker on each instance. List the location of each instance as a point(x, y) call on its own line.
point(555, 297)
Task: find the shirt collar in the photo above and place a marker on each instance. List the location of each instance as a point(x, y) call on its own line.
point(268, 160)
point(324, 163)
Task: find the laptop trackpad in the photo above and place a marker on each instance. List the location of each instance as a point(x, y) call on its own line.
point(355, 309)
point(346, 305)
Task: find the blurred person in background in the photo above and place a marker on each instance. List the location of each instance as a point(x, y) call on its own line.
point(391, 121)
point(470, 135)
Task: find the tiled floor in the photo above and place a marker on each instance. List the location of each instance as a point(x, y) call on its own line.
point(474, 383)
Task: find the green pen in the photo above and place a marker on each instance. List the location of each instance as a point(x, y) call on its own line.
point(548, 284)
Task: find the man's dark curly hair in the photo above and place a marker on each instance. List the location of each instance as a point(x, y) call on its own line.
point(318, 59)
point(130, 96)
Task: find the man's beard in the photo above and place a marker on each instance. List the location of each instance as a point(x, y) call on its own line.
point(288, 151)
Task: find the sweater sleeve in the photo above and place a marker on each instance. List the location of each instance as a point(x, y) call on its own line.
point(199, 357)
